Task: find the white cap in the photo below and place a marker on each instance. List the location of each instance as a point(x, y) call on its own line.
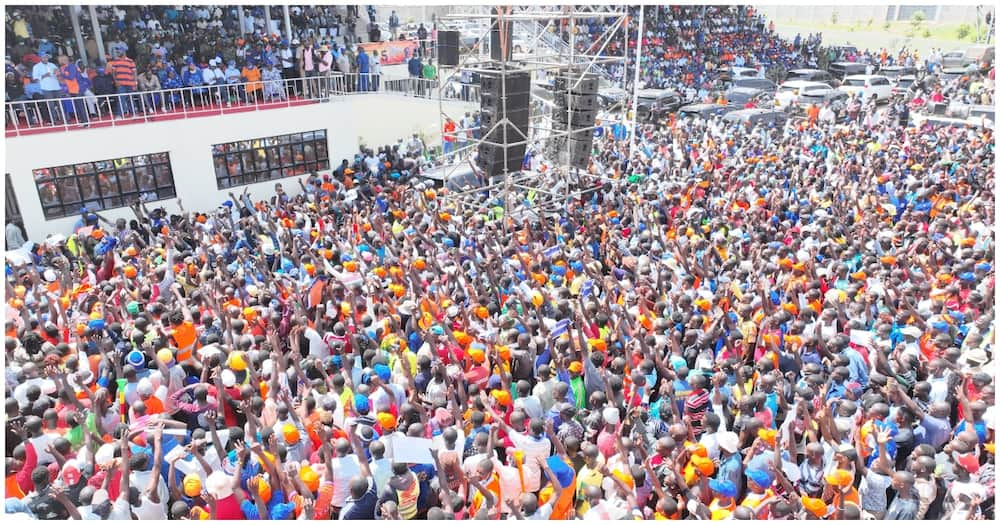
point(611, 416)
point(219, 485)
point(228, 378)
point(145, 387)
point(728, 441)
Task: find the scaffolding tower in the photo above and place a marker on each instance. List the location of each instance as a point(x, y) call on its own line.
point(543, 63)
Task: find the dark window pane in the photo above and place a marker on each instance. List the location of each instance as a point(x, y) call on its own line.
point(42, 174)
point(310, 152)
point(123, 162)
point(84, 168)
point(295, 137)
point(64, 171)
point(160, 157)
point(321, 152)
point(321, 133)
point(220, 167)
point(109, 183)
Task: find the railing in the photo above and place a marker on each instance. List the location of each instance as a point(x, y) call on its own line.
point(39, 115)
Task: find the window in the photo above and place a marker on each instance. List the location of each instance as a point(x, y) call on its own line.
point(268, 158)
point(104, 184)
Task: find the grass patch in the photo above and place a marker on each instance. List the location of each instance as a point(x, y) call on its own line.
point(964, 33)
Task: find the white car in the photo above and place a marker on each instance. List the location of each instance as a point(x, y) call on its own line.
point(867, 86)
point(788, 92)
point(745, 72)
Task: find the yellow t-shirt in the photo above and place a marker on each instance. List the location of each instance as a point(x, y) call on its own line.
point(586, 478)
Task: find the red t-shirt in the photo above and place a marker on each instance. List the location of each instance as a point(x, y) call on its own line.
point(229, 509)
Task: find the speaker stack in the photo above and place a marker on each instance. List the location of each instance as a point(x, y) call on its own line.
point(448, 44)
point(507, 142)
point(576, 106)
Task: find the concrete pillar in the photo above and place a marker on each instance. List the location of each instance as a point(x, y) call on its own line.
point(243, 20)
point(267, 19)
point(288, 24)
point(74, 17)
point(97, 33)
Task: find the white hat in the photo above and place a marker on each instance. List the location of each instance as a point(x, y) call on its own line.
point(219, 485)
point(100, 496)
point(611, 416)
point(408, 307)
point(145, 387)
point(104, 454)
point(728, 441)
point(228, 378)
point(911, 331)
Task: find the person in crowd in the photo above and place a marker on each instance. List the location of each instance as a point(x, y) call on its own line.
point(727, 321)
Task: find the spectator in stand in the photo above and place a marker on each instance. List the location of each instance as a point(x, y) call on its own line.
point(73, 83)
point(149, 83)
point(191, 77)
point(251, 75)
point(273, 86)
point(47, 75)
point(122, 69)
point(364, 70)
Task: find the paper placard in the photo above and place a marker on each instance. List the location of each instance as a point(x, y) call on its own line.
point(411, 450)
point(587, 287)
point(861, 337)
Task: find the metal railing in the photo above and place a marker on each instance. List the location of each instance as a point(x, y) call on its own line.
point(38, 115)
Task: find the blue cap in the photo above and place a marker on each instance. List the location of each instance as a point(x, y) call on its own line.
point(761, 477)
point(983, 267)
point(967, 276)
point(383, 372)
point(135, 358)
point(576, 266)
point(361, 403)
point(228, 204)
point(448, 242)
point(564, 473)
point(96, 325)
point(558, 269)
point(337, 361)
point(940, 326)
point(723, 487)
point(494, 382)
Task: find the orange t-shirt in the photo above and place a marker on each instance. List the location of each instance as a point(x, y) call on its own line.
point(323, 500)
point(562, 507)
point(185, 337)
point(153, 406)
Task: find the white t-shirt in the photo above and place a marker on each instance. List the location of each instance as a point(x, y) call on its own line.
point(317, 347)
point(344, 469)
point(149, 510)
point(534, 449)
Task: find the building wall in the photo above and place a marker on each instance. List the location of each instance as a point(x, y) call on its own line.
point(373, 120)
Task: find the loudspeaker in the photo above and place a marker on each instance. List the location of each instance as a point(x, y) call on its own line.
point(493, 161)
point(448, 45)
point(504, 96)
point(576, 106)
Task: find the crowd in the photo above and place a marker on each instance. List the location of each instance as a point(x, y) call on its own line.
point(156, 48)
point(792, 322)
point(685, 47)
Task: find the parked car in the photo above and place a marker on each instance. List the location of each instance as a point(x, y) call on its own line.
point(905, 86)
point(868, 86)
point(739, 96)
point(656, 103)
point(790, 91)
point(836, 98)
point(752, 117)
point(953, 59)
point(839, 70)
point(977, 54)
point(705, 111)
point(951, 73)
point(810, 75)
point(737, 72)
point(762, 84)
point(894, 73)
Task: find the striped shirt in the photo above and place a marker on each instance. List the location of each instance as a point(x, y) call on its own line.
point(123, 69)
point(695, 407)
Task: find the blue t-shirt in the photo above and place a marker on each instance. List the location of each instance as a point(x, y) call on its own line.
point(362, 508)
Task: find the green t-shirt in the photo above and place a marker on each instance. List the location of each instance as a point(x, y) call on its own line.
point(430, 71)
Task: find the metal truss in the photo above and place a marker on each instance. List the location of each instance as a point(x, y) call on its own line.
point(514, 184)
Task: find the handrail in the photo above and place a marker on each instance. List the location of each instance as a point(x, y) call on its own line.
point(27, 117)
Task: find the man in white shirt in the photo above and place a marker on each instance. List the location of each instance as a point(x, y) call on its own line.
point(47, 75)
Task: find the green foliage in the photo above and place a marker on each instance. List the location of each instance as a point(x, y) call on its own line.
point(918, 18)
point(926, 33)
point(963, 31)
